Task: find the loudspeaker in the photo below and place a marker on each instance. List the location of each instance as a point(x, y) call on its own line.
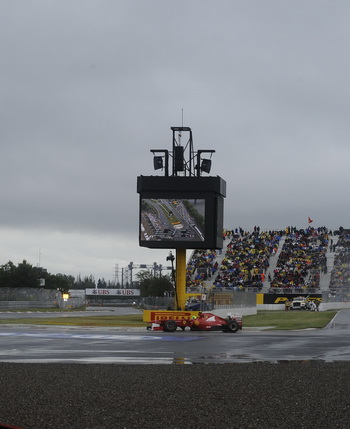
point(178, 158)
point(158, 162)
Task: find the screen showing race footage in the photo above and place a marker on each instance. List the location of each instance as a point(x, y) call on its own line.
point(172, 220)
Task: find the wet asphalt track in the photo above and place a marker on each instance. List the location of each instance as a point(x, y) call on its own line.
point(36, 344)
point(295, 392)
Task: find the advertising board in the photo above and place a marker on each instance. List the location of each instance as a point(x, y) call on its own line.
point(158, 315)
point(267, 298)
point(112, 292)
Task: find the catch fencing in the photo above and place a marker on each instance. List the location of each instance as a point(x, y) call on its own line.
point(226, 299)
point(26, 305)
point(216, 300)
point(38, 298)
point(154, 303)
point(27, 298)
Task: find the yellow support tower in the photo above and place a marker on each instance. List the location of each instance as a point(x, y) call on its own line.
point(180, 279)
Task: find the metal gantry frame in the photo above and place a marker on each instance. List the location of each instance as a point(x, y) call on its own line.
point(192, 165)
point(155, 268)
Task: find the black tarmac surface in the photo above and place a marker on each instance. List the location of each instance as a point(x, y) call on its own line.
point(257, 395)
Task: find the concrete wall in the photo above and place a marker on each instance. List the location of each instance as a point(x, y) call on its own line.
point(324, 306)
point(270, 306)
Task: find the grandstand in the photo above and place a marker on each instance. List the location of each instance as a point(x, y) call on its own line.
point(292, 261)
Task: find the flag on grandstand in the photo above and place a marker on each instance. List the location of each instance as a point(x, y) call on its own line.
point(310, 220)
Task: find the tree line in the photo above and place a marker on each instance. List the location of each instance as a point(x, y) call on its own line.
point(25, 275)
point(151, 285)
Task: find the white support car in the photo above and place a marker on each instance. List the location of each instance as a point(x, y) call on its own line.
point(300, 303)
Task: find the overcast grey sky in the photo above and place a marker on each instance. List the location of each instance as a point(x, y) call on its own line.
point(89, 87)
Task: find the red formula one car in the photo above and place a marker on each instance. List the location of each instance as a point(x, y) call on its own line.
point(203, 322)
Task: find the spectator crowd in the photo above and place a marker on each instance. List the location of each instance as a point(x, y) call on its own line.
point(246, 261)
point(301, 260)
point(340, 276)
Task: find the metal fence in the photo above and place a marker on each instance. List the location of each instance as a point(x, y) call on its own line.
point(27, 294)
point(294, 290)
point(218, 300)
point(226, 299)
point(36, 298)
point(24, 305)
point(154, 303)
point(339, 296)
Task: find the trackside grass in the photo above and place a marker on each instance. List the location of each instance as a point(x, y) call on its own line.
point(271, 319)
point(289, 319)
point(44, 310)
point(126, 320)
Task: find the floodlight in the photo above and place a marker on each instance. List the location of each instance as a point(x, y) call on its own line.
point(206, 165)
point(158, 162)
point(203, 165)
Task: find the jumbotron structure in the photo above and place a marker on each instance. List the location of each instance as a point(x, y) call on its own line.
point(182, 209)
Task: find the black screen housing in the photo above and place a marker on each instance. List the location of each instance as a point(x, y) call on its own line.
point(181, 212)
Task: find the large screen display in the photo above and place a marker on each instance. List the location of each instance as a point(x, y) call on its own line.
point(181, 212)
point(172, 220)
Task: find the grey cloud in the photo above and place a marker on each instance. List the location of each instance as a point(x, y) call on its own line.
point(89, 87)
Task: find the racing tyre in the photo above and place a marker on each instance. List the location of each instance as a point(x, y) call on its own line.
point(170, 326)
point(232, 326)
